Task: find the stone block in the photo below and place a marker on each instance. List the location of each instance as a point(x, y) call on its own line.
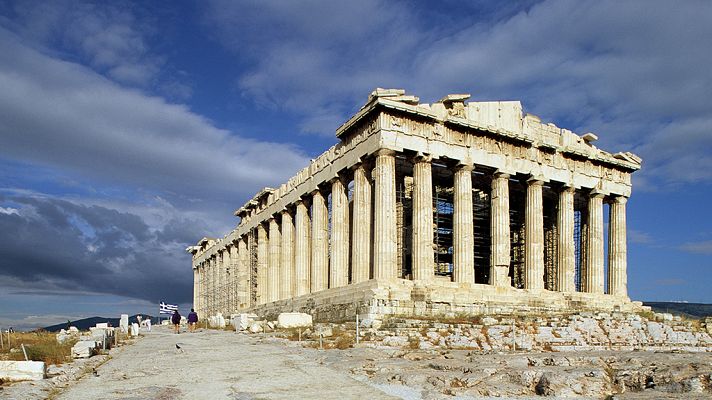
point(84, 349)
point(124, 323)
point(242, 322)
point(294, 320)
point(255, 327)
point(135, 329)
point(103, 325)
point(22, 370)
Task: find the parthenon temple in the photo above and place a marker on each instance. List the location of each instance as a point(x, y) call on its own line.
point(427, 209)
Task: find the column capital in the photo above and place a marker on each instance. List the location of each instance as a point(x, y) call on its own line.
point(422, 158)
point(566, 188)
point(464, 166)
point(501, 174)
point(536, 180)
point(384, 152)
point(596, 194)
point(619, 199)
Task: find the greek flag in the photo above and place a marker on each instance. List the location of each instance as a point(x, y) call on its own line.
point(164, 308)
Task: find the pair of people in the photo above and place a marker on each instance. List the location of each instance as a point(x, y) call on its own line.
point(192, 320)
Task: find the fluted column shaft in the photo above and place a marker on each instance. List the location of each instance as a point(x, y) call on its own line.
point(213, 283)
point(286, 265)
point(361, 243)
point(594, 245)
point(423, 254)
point(243, 275)
point(565, 258)
point(534, 236)
point(463, 227)
point(196, 291)
point(320, 243)
point(302, 252)
point(224, 288)
point(262, 264)
point(275, 245)
point(499, 231)
point(339, 275)
point(235, 270)
point(384, 232)
point(617, 248)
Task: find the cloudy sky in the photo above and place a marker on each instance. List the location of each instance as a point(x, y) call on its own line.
point(130, 130)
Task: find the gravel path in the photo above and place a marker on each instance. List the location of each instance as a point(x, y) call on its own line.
point(217, 365)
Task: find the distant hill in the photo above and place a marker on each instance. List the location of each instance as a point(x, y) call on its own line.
point(694, 310)
point(86, 323)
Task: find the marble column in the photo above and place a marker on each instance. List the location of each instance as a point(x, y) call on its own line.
point(286, 265)
point(463, 244)
point(423, 254)
point(320, 243)
point(275, 245)
point(225, 288)
point(499, 231)
point(534, 236)
point(243, 275)
point(384, 230)
point(302, 251)
point(361, 243)
point(235, 271)
point(196, 285)
point(262, 264)
point(594, 244)
point(565, 258)
point(617, 248)
point(339, 274)
point(213, 283)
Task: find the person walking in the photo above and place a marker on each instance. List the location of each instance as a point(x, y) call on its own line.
point(175, 318)
point(192, 320)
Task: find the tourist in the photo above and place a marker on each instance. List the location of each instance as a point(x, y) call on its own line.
point(192, 320)
point(176, 321)
point(148, 323)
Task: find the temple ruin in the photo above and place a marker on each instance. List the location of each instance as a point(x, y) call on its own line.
point(431, 209)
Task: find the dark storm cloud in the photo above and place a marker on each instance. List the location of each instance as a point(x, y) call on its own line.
point(51, 245)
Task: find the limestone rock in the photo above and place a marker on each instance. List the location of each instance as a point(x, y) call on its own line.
point(294, 320)
point(84, 349)
point(22, 370)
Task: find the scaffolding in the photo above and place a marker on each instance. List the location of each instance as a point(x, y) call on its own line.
point(481, 200)
point(517, 195)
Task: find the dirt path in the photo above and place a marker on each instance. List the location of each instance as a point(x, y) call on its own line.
point(217, 365)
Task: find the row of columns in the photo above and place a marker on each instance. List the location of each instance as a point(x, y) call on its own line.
point(296, 255)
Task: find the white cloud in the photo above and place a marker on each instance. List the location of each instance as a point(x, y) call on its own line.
point(60, 114)
point(704, 247)
point(634, 72)
point(8, 211)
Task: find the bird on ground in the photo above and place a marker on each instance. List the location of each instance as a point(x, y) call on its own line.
point(179, 348)
point(94, 371)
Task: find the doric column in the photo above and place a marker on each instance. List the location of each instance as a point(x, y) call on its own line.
point(384, 230)
point(565, 258)
point(339, 275)
point(262, 264)
point(594, 244)
point(196, 292)
point(213, 283)
point(361, 243)
point(235, 270)
point(302, 251)
point(617, 248)
point(463, 244)
point(534, 236)
point(499, 231)
point(243, 275)
point(224, 287)
point(275, 245)
point(286, 265)
point(423, 254)
point(320, 243)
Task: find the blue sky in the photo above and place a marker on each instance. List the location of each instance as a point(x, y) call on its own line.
point(132, 129)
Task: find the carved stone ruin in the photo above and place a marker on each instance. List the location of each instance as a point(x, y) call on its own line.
point(430, 209)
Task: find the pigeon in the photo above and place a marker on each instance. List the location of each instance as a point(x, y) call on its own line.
point(179, 348)
point(95, 372)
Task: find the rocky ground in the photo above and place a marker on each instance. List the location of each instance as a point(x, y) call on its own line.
point(214, 364)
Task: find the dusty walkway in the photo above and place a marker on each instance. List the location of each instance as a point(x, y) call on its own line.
point(216, 365)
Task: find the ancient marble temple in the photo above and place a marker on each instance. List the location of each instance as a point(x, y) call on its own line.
point(424, 209)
